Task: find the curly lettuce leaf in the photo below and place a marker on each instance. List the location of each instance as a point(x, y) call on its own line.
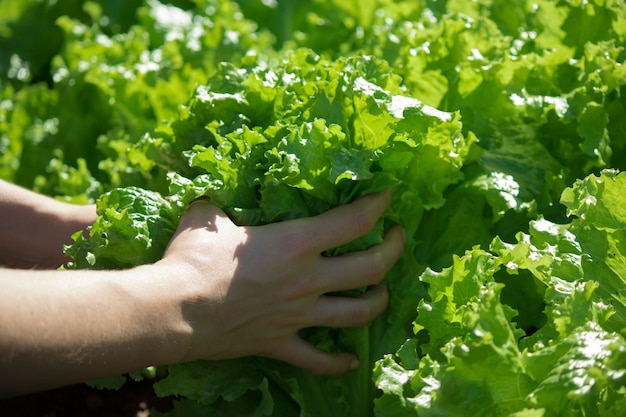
point(477, 361)
point(132, 228)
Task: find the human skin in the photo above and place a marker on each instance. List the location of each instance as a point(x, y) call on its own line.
point(220, 291)
point(34, 228)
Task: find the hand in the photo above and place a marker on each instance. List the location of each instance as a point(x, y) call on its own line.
point(252, 289)
point(34, 227)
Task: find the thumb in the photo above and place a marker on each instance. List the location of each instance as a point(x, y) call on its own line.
point(201, 214)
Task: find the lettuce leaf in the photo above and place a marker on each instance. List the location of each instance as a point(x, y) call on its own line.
point(477, 361)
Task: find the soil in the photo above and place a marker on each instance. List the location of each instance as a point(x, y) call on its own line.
point(134, 399)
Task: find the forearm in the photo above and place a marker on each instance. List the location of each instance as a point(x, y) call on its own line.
point(34, 228)
point(64, 327)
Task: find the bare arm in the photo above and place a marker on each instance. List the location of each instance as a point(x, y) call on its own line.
point(220, 291)
point(64, 327)
point(34, 228)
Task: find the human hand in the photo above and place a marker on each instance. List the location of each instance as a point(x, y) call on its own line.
point(250, 290)
point(34, 227)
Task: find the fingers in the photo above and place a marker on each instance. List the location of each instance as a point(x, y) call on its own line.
point(334, 311)
point(302, 354)
point(362, 269)
point(336, 227)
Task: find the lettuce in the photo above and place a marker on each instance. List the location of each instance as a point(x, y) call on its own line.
point(270, 142)
point(116, 76)
point(500, 127)
point(478, 361)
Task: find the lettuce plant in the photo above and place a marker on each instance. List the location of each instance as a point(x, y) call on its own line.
point(499, 126)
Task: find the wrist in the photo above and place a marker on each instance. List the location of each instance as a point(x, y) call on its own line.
point(198, 319)
point(162, 297)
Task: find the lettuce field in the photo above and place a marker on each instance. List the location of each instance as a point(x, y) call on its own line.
point(500, 127)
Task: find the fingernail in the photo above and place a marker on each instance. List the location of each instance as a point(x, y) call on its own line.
point(354, 364)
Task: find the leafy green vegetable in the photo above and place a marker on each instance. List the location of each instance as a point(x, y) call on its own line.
point(262, 149)
point(478, 362)
point(499, 125)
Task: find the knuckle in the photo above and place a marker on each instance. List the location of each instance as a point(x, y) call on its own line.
point(377, 266)
point(400, 241)
point(360, 314)
point(364, 221)
point(303, 286)
point(296, 243)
